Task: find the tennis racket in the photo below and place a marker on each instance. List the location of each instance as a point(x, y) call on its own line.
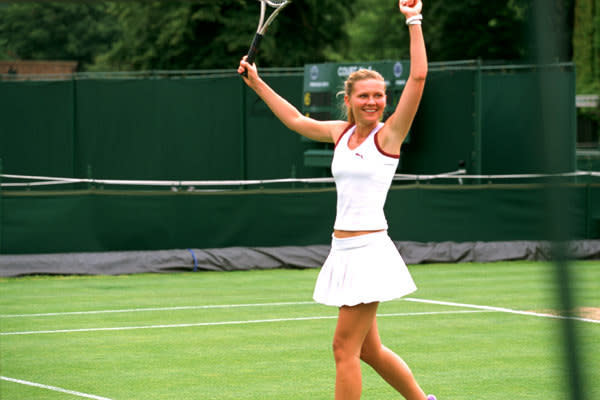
point(278, 5)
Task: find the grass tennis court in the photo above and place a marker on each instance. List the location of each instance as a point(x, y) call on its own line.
point(258, 335)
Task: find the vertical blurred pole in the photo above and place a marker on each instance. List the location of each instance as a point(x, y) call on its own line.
point(549, 45)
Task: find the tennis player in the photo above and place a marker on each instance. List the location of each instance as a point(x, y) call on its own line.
point(364, 267)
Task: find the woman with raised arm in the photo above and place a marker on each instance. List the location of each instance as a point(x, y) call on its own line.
point(364, 267)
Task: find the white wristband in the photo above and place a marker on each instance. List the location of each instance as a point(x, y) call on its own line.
point(414, 20)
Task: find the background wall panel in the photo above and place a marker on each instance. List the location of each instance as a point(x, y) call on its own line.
point(36, 127)
point(159, 129)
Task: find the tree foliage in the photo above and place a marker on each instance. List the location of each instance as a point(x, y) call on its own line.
point(169, 34)
point(377, 32)
point(586, 51)
point(203, 34)
point(55, 31)
point(469, 29)
point(586, 45)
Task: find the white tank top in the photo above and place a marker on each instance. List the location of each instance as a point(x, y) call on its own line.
point(362, 177)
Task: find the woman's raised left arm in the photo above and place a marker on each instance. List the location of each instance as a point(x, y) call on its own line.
point(399, 123)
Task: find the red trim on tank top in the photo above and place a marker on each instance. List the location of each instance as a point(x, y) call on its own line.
point(343, 133)
point(381, 150)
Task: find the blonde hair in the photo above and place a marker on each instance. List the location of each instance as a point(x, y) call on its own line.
point(359, 75)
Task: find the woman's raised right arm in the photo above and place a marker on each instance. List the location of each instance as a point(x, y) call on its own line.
point(323, 131)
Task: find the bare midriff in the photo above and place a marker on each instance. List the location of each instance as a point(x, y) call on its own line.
point(346, 234)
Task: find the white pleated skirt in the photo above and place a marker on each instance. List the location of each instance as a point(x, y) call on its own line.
point(363, 269)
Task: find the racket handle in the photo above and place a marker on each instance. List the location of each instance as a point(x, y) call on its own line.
point(252, 51)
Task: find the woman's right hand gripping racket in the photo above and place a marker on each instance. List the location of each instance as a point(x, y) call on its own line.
point(278, 5)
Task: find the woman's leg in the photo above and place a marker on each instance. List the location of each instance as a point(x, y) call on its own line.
point(390, 366)
point(352, 328)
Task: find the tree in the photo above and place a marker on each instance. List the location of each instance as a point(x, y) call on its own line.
point(145, 35)
point(469, 29)
point(55, 31)
point(215, 34)
point(377, 32)
point(586, 45)
point(586, 53)
point(208, 34)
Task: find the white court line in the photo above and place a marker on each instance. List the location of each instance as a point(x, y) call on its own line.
point(481, 308)
point(256, 321)
point(128, 310)
point(54, 388)
point(500, 309)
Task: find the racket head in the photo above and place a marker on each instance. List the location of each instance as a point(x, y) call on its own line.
point(274, 3)
point(262, 27)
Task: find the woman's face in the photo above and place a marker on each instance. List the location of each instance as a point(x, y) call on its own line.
point(367, 100)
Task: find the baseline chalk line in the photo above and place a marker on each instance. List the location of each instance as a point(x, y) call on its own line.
point(500, 309)
point(220, 323)
point(53, 388)
point(149, 309)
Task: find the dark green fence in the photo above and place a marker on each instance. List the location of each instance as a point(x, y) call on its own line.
point(159, 129)
point(148, 128)
point(485, 117)
point(105, 220)
point(211, 127)
point(490, 118)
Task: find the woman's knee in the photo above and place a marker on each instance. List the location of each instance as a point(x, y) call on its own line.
point(370, 353)
point(343, 350)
